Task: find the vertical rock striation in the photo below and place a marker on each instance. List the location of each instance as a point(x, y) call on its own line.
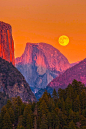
point(6, 43)
point(40, 63)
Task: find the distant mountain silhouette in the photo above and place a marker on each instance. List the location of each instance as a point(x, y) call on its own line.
point(77, 72)
point(6, 42)
point(40, 63)
point(72, 64)
point(13, 83)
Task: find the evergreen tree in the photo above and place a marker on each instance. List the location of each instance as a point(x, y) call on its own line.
point(49, 119)
point(82, 98)
point(69, 92)
point(3, 111)
point(20, 120)
point(27, 111)
point(19, 101)
point(44, 97)
point(11, 113)
point(35, 117)
point(76, 104)
point(83, 120)
point(43, 109)
point(68, 104)
point(55, 96)
point(44, 122)
point(6, 121)
point(29, 121)
point(17, 112)
point(72, 125)
point(61, 93)
point(71, 115)
point(9, 104)
point(77, 117)
point(62, 119)
point(20, 127)
point(84, 112)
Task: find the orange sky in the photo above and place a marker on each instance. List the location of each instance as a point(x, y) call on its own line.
point(44, 21)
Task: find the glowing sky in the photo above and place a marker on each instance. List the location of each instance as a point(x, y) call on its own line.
point(44, 21)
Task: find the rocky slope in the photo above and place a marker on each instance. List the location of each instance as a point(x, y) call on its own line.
point(40, 63)
point(13, 83)
point(6, 42)
point(3, 99)
point(77, 72)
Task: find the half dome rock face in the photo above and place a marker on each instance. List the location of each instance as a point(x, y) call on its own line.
point(6, 43)
point(77, 72)
point(13, 83)
point(40, 63)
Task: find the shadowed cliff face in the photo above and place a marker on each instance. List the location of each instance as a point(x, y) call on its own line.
point(40, 63)
point(13, 83)
point(77, 72)
point(6, 42)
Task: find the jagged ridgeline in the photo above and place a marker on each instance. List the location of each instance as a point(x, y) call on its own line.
point(77, 72)
point(64, 110)
point(13, 83)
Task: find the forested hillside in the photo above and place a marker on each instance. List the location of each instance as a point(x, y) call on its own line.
point(64, 110)
point(3, 99)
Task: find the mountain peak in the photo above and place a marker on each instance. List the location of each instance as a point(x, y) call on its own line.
point(40, 63)
point(5, 25)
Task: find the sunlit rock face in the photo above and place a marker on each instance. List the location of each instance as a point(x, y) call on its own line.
point(13, 83)
point(6, 42)
point(40, 63)
point(77, 72)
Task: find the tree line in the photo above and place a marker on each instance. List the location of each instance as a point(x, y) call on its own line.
point(65, 109)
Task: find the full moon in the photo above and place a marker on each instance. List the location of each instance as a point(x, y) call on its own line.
point(63, 40)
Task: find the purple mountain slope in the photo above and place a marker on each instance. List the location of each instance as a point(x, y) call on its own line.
point(77, 72)
point(72, 64)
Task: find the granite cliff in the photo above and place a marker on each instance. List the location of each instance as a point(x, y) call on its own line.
point(12, 82)
point(40, 63)
point(6, 43)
